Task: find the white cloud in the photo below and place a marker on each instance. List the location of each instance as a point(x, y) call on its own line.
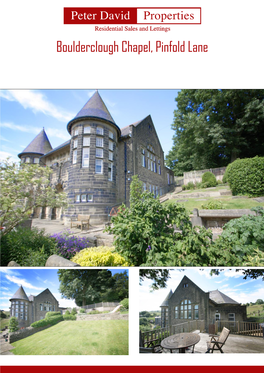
point(51, 132)
point(22, 282)
point(37, 102)
point(4, 155)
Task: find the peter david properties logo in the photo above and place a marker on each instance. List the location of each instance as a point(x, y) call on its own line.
point(132, 16)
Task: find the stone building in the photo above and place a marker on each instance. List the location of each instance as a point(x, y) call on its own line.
point(189, 302)
point(96, 165)
point(33, 308)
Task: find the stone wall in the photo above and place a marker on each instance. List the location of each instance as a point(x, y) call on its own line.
point(103, 316)
point(26, 332)
point(196, 176)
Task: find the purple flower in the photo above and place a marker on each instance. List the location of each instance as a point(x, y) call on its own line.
point(149, 248)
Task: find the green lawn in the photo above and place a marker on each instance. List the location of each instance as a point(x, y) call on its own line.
point(98, 337)
point(4, 322)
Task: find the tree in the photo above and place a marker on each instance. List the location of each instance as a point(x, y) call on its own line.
point(119, 288)
point(85, 286)
point(24, 188)
point(215, 127)
point(13, 324)
point(136, 190)
point(247, 273)
point(159, 277)
point(259, 301)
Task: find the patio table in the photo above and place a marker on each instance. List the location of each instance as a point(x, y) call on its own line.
point(180, 341)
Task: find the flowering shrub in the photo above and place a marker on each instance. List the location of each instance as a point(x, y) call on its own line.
point(101, 256)
point(68, 245)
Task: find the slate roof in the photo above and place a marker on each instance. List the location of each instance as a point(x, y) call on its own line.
point(94, 108)
point(217, 297)
point(126, 130)
point(40, 145)
point(165, 303)
point(66, 143)
point(20, 294)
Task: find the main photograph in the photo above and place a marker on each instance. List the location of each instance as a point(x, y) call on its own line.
point(132, 177)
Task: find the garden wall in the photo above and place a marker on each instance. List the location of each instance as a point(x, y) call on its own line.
point(103, 316)
point(25, 332)
point(196, 176)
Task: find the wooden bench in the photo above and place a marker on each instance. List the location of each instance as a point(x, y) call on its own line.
point(81, 221)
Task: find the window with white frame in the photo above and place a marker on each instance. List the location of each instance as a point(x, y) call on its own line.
point(111, 156)
point(176, 312)
point(111, 145)
point(87, 129)
point(98, 166)
point(99, 131)
point(27, 160)
point(77, 198)
point(36, 160)
point(149, 164)
point(99, 142)
point(74, 156)
point(144, 187)
point(99, 153)
point(111, 135)
point(75, 143)
point(159, 170)
point(110, 171)
point(143, 160)
point(86, 141)
point(89, 197)
point(155, 167)
point(231, 317)
point(217, 317)
point(168, 177)
point(83, 198)
point(76, 131)
point(85, 157)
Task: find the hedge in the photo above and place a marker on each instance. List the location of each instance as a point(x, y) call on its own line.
point(209, 180)
point(69, 317)
point(246, 176)
point(47, 321)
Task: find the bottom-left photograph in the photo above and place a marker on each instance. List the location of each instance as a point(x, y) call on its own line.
point(64, 311)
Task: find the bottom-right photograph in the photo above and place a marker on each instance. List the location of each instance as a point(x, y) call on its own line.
point(201, 310)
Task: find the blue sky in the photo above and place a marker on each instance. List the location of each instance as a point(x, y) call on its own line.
point(228, 282)
point(25, 112)
point(34, 281)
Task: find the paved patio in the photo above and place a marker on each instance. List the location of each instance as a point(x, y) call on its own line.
point(237, 344)
point(56, 226)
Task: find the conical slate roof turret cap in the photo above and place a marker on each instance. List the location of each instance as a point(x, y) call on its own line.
point(165, 303)
point(94, 108)
point(20, 294)
point(40, 145)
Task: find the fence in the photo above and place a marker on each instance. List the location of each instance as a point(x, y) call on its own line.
point(154, 337)
point(252, 329)
point(101, 305)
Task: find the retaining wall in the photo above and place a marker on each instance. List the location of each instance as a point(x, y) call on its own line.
point(103, 316)
point(26, 332)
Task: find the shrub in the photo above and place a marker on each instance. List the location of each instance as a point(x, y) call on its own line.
point(27, 247)
point(224, 180)
point(145, 235)
point(94, 312)
point(52, 320)
point(13, 324)
point(246, 176)
point(190, 185)
point(125, 303)
point(69, 317)
point(52, 313)
point(213, 205)
point(82, 310)
point(99, 257)
point(240, 242)
point(209, 179)
point(68, 245)
point(73, 311)
point(67, 312)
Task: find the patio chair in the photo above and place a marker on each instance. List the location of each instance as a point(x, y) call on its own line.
point(217, 342)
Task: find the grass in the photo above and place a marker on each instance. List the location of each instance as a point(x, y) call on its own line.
point(97, 337)
point(228, 201)
point(4, 323)
point(253, 315)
